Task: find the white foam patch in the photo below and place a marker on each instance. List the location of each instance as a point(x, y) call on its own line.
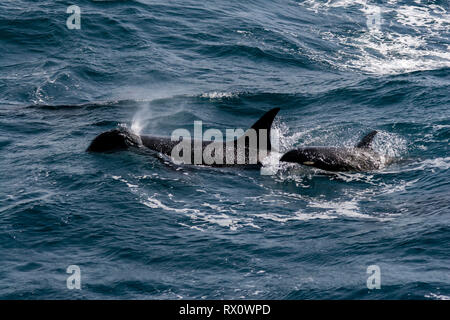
point(154, 203)
point(222, 220)
point(286, 139)
point(355, 176)
point(394, 53)
point(389, 144)
point(440, 126)
point(280, 133)
point(191, 227)
point(432, 16)
point(439, 163)
point(400, 187)
point(296, 216)
point(271, 164)
point(225, 217)
point(218, 95)
point(351, 209)
point(341, 208)
point(437, 296)
point(381, 49)
point(129, 185)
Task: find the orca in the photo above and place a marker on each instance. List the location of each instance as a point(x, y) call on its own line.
point(240, 151)
point(359, 158)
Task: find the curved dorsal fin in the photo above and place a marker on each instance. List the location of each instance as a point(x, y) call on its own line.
point(367, 140)
point(264, 123)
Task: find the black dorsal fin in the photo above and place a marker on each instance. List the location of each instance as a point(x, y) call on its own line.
point(265, 122)
point(367, 140)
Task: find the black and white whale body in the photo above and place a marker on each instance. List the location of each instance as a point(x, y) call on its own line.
point(359, 158)
point(240, 151)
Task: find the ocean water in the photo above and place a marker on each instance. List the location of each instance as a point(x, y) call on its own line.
point(142, 227)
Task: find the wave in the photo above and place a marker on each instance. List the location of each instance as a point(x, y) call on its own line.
point(390, 38)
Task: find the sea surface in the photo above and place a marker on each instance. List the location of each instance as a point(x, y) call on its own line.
point(142, 227)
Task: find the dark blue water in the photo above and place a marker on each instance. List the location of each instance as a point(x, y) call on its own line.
point(140, 226)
